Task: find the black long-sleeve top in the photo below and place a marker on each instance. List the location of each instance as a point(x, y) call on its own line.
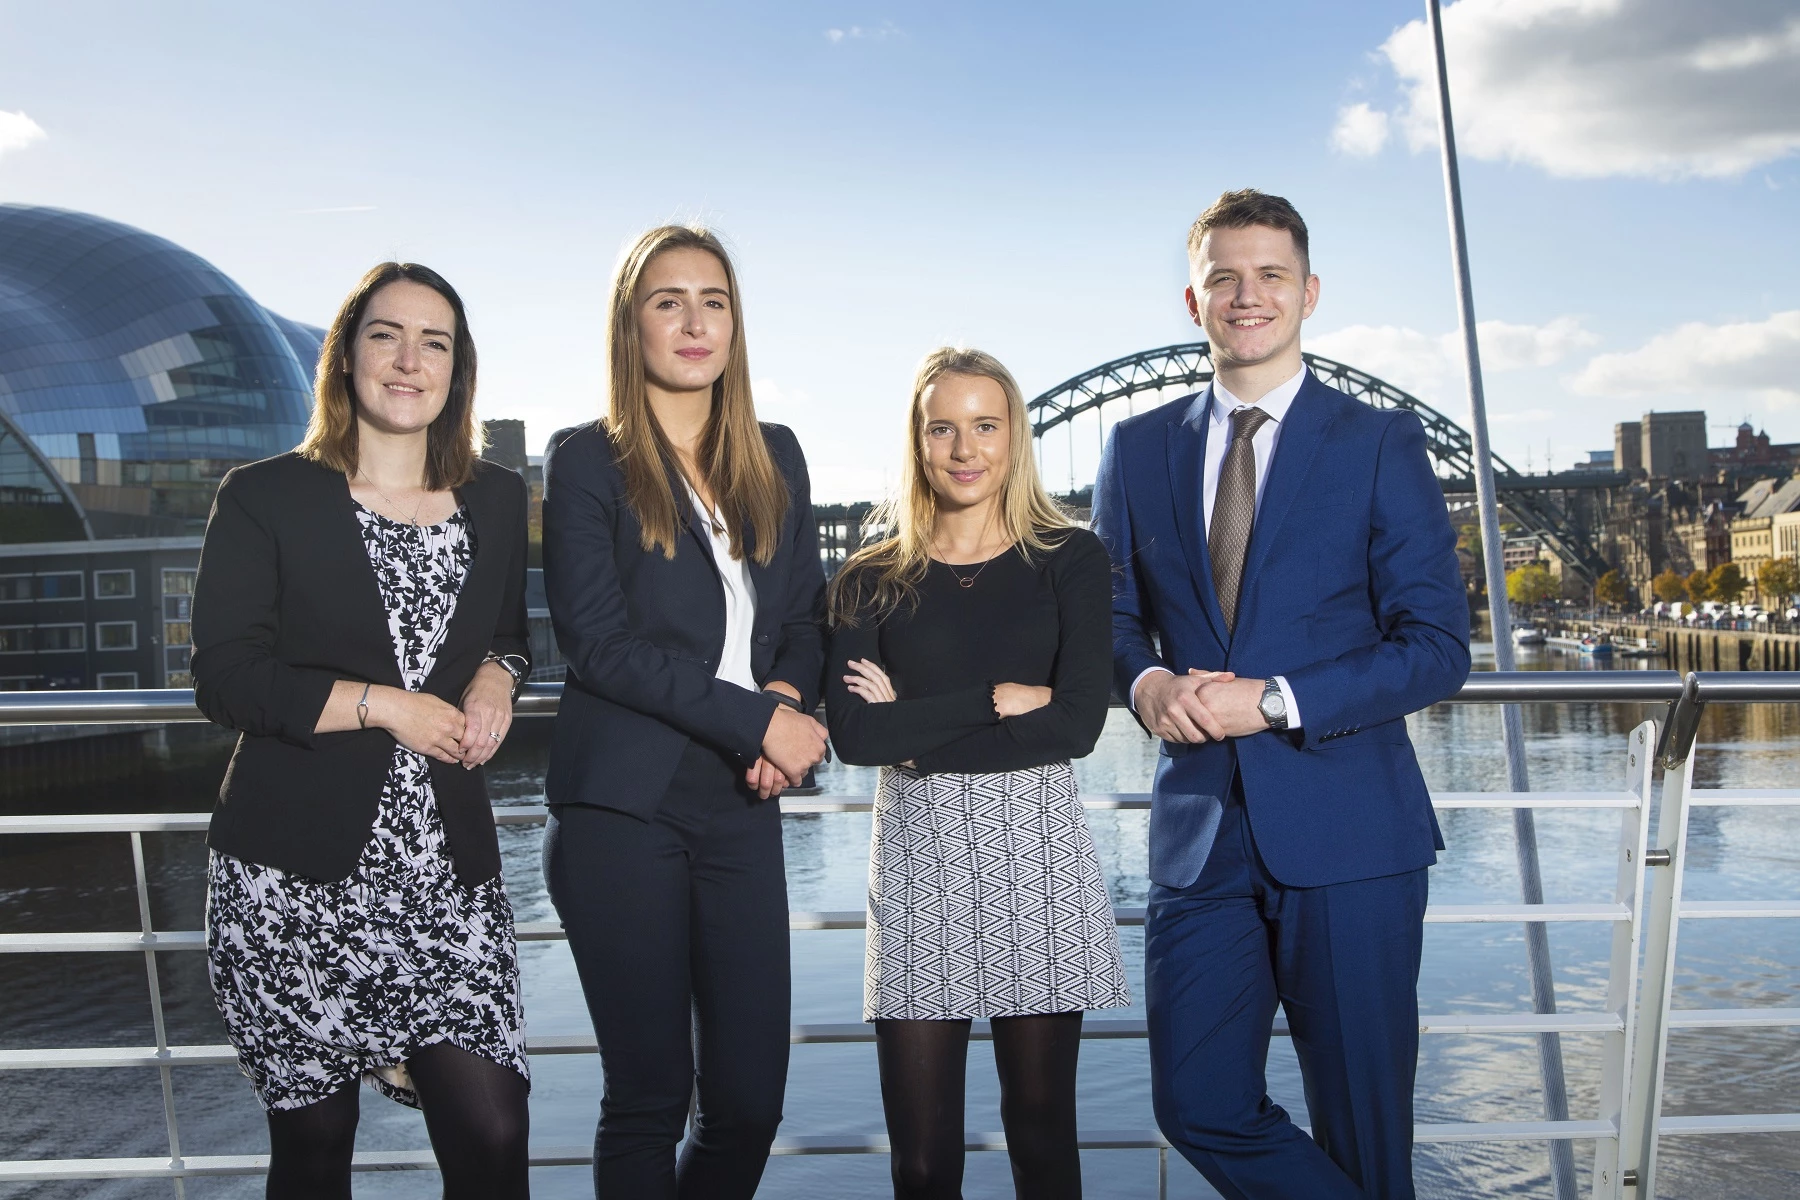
point(1044, 622)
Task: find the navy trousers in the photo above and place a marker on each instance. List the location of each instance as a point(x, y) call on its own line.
point(679, 928)
point(1343, 962)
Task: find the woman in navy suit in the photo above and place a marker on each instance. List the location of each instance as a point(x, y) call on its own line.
point(682, 563)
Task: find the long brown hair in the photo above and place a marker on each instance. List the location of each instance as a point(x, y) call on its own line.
point(454, 438)
point(885, 574)
point(732, 457)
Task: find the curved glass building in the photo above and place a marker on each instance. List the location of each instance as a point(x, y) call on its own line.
point(133, 375)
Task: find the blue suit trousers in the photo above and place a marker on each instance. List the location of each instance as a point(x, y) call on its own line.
point(1343, 961)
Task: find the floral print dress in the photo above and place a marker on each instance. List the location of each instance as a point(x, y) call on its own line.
point(324, 983)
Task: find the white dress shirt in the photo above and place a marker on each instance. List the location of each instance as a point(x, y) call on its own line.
point(740, 601)
point(1218, 439)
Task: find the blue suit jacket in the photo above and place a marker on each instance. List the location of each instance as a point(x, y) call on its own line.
point(1351, 590)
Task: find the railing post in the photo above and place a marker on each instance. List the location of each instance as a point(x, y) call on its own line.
point(156, 1013)
point(1643, 1111)
point(1621, 979)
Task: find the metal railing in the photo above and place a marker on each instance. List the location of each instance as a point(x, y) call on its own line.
point(1644, 914)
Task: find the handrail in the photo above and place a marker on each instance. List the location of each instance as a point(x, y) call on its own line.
point(1483, 687)
point(1644, 913)
point(1686, 697)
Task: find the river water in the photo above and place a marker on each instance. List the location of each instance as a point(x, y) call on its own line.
point(73, 883)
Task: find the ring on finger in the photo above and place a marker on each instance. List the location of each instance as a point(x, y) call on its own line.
point(494, 734)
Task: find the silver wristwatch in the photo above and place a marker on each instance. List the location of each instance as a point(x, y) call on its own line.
point(1273, 705)
point(512, 664)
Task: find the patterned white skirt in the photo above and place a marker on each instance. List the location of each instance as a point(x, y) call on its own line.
point(986, 899)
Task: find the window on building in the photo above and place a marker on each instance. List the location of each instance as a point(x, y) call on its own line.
point(17, 683)
point(63, 585)
point(116, 681)
point(53, 639)
point(15, 639)
point(177, 603)
point(14, 588)
point(115, 585)
point(115, 635)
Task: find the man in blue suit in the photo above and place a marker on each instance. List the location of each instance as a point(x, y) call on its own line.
point(1286, 592)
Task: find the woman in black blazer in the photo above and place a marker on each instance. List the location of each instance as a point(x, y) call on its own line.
point(359, 619)
point(682, 564)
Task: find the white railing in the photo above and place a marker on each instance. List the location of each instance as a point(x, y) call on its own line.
point(1644, 914)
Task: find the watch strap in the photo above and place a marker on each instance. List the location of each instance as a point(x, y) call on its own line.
point(1273, 688)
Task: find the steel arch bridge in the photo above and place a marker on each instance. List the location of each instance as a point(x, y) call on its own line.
point(1190, 365)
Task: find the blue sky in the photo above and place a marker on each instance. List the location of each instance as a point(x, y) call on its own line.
point(1016, 177)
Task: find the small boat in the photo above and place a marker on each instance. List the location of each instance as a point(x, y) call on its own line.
point(1528, 635)
point(1598, 645)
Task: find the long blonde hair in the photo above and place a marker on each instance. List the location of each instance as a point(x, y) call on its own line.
point(732, 457)
point(884, 574)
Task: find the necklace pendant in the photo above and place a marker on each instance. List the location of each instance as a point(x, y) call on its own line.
point(969, 582)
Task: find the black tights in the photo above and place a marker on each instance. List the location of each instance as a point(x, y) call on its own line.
point(922, 1073)
point(475, 1113)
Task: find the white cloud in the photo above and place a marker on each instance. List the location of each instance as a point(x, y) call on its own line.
point(858, 33)
point(1508, 347)
point(1663, 89)
point(1410, 360)
point(1761, 358)
point(1529, 416)
point(1360, 131)
point(18, 131)
point(1416, 361)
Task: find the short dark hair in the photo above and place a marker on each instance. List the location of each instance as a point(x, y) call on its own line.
point(1246, 207)
point(455, 437)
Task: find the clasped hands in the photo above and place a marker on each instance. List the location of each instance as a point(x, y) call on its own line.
point(468, 733)
point(1201, 706)
point(793, 744)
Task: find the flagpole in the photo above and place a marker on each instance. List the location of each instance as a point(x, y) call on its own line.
point(1537, 936)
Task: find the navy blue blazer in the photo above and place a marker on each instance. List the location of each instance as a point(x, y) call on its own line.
point(643, 634)
point(1351, 591)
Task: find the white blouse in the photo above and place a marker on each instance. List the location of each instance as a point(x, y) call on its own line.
point(740, 601)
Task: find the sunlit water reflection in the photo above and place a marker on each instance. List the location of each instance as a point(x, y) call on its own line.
point(84, 883)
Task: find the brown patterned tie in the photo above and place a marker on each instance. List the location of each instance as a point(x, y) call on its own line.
point(1234, 511)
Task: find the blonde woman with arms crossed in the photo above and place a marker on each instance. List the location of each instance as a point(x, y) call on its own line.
point(970, 659)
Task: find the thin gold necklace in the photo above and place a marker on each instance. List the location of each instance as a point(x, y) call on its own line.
point(969, 581)
point(417, 508)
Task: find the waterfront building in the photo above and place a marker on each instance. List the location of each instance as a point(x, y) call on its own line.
point(1628, 446)
point(108, 613)
point(1753, 452)
point(1702, 537)
point(1669, 445)
point(133, 375)
point(1784, 536)
point(1674, 445)
point(1753, 532)
point(1520, 550)
point(137, 373)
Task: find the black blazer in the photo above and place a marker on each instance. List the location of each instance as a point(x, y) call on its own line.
point(643, 634)
point(285, 605)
